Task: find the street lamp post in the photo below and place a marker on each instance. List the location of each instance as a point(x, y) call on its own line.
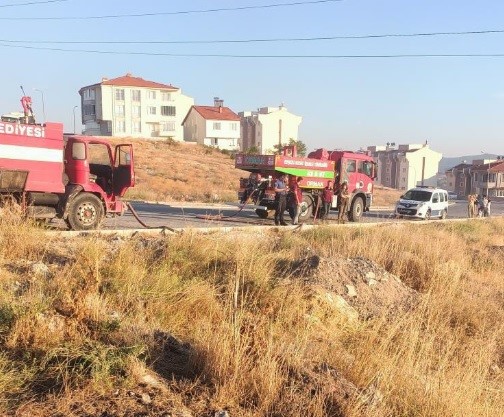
point(74, 118)
point(43, 102)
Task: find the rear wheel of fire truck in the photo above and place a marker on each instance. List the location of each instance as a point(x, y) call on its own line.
point(85, 212)
point(306, 208)
point(356, 210)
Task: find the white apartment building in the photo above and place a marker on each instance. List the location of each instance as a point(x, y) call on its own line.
point(134, 107)
point(406, 166)
point(216, 126)
point(267, 127)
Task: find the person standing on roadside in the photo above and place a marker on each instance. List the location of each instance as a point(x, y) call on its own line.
point(281, 190)
point(484, 203)
point(470, 206)
point(327, 197)
point(344, 196)
point(297, 199)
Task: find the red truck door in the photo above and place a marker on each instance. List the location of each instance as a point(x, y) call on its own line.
point(124, 173)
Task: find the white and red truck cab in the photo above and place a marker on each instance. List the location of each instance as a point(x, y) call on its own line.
point(79, 179)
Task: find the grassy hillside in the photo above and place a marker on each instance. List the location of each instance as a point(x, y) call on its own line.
point(167, 171)
point(327, 322)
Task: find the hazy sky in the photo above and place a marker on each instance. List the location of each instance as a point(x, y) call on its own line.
point(456, 103)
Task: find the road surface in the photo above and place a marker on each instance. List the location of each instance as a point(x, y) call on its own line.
point(193, 215)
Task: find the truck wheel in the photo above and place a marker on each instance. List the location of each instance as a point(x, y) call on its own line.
point(306, 208)
point(85, 212)
point(263, 214)
point(356, 210)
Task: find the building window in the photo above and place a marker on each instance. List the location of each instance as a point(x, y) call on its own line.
point(154, 127)
point(119, 109)
point(217, 126)
point(461, 183)
point(151, 94)
point(89, 110)
point(234, 126)
point(215, 141)
point(136, 95)
point(119, 94)
point(136, 111)
point(404, 170)
point(151, 110)
point(136, 126)
point(168, 111)
point(120, 126)
point(166, 97)
point(89, 94)
point(168, 126)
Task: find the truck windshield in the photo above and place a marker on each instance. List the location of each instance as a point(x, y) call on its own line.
point(417, 195)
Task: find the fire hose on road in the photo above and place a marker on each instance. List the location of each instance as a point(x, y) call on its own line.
point(135, 215)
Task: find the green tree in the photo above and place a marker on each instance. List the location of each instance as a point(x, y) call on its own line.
point(301, 147)
point(252, 150)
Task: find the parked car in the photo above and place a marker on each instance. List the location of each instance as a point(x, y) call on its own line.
point(423, 203)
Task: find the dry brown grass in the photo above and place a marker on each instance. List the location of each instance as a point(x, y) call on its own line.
point(260, 342)
point(171, 171)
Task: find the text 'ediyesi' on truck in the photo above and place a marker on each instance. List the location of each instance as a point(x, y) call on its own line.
point(79, 179)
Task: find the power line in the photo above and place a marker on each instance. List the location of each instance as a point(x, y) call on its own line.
point(180, 12)
point(32, 3)
point(162, 54)
point(266, 40)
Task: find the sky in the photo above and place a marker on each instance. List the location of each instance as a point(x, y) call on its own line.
point(348, 96)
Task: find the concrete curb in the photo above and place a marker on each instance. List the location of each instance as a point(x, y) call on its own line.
point(255, 229)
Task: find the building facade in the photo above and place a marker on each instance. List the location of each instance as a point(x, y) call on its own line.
point(134, 107)
point(482, 177)
point(216, 126)
point(269, 126)
point(406, 166)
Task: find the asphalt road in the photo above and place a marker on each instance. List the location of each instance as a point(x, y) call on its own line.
point(198, 215)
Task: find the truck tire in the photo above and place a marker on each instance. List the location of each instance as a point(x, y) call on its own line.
point(263, 214)
point(307, 208)
point(85, 212)
point(356, 210)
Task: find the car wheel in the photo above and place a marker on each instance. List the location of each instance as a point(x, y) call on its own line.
point(428, 215)
point(444, 213)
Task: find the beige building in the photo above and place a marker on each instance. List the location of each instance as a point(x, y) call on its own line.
point(406, 166)
point(267, 127)
point(216, 126)
point(132, 106)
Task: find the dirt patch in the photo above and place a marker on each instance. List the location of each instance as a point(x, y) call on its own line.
point(364, 285)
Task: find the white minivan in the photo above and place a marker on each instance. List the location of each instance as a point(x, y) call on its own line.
point(423, 203)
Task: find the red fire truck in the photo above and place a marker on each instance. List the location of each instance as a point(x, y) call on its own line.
point(79, 179)
point(357, 169)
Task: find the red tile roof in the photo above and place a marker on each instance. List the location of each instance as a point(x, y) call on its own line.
point(495, 166)
point(129, 81)
point(213, 113)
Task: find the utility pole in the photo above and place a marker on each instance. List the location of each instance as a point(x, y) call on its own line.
point(75, 107)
